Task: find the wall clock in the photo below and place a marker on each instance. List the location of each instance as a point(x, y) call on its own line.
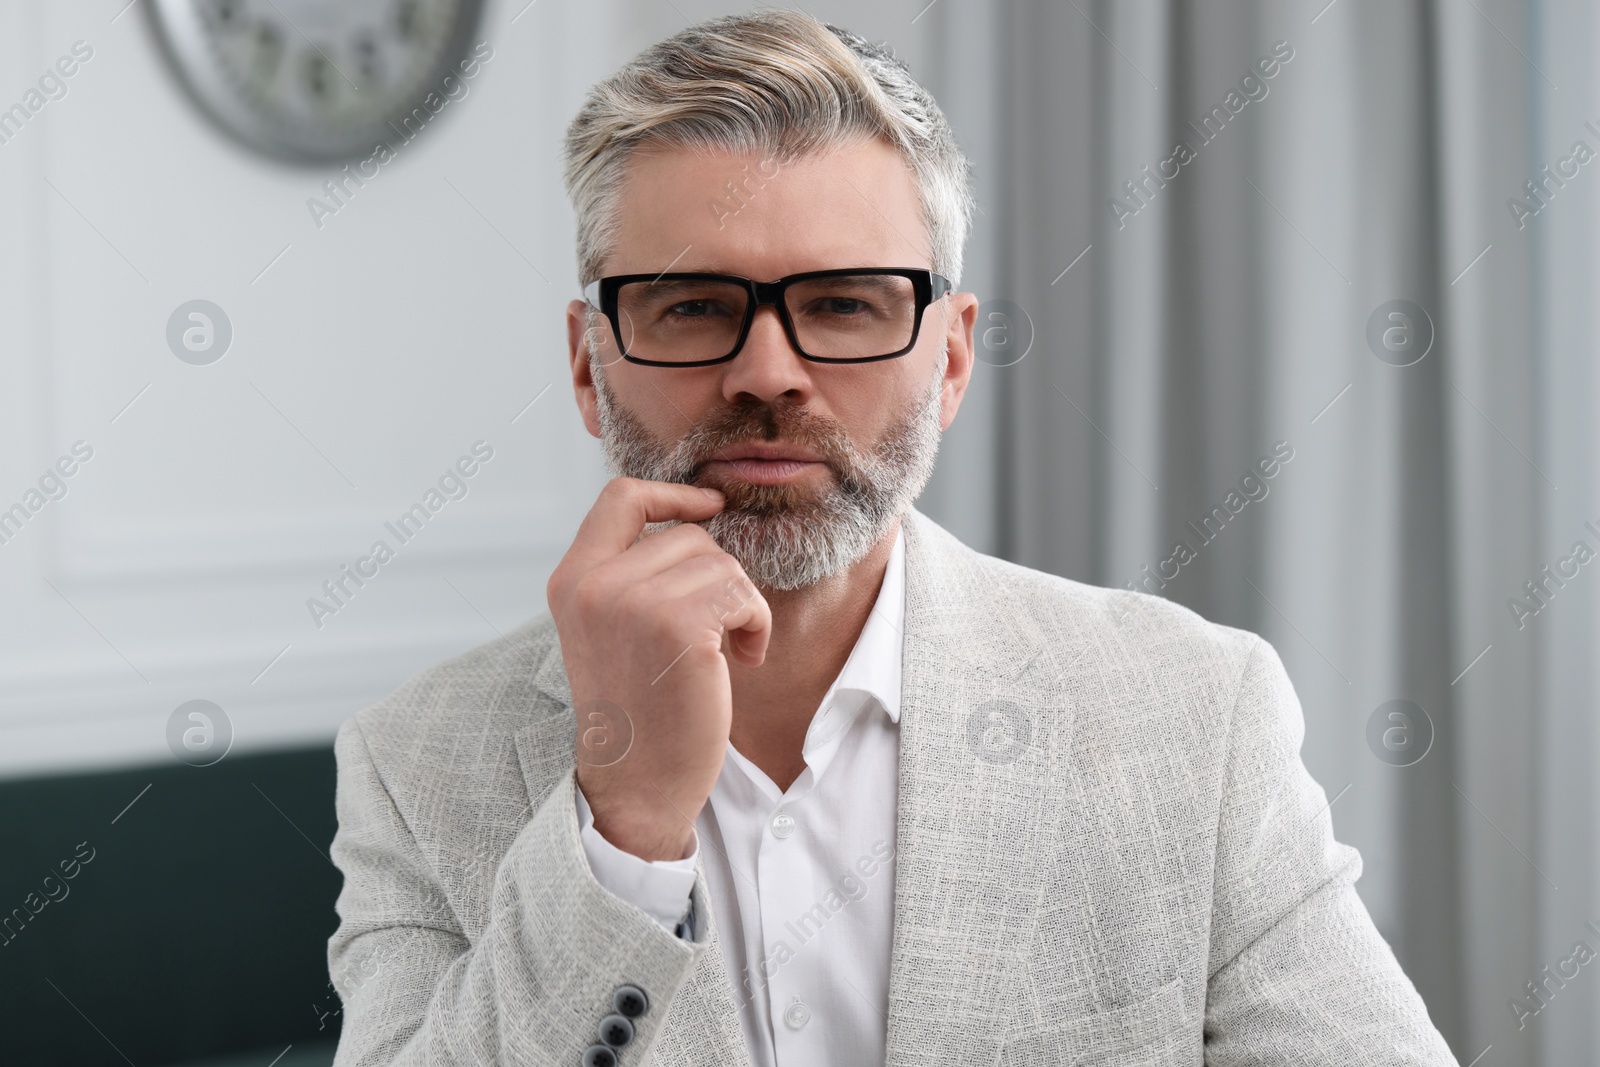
point(314, 80)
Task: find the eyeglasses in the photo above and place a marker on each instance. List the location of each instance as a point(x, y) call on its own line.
point(854, 315)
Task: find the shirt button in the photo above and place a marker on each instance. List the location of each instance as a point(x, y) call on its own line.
point(796, 1015)
point(782, 824)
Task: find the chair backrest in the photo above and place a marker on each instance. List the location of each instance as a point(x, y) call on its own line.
point(168, 913)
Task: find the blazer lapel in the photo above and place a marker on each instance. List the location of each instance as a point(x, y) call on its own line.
point(705, 1025)
point(985, 727)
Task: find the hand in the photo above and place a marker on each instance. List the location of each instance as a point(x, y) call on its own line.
point(642, 625)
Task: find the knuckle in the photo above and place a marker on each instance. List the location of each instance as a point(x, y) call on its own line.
point(589, 594)
point(703, 655)
point(736, 589)
point(631, 603)
point(684, 531)
point(621, 488)
point(694, 534)
point(561, 590)
point(708, 653)
point(736, 578)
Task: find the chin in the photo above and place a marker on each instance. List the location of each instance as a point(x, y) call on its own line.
point(787, 538)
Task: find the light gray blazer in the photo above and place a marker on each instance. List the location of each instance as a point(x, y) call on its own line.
point(1109, 852)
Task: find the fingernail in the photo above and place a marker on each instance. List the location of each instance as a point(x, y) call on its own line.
point(714, 494)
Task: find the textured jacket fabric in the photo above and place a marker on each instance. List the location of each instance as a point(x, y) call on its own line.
point(1109, 852)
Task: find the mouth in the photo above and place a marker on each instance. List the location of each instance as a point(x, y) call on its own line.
point(761, 463)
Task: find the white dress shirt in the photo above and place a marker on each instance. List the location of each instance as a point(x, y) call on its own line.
point(802, 880)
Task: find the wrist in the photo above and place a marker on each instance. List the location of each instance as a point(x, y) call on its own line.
point(658, 828)
point(648, 841)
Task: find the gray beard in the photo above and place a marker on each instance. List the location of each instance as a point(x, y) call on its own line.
point(786, 538)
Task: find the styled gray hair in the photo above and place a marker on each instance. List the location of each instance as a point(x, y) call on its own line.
point(778, 82)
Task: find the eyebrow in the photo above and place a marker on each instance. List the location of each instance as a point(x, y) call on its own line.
point(672, 285)
point(884, 283)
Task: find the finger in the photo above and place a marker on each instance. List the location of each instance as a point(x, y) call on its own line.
point(705, 587)
point(619, 515)
point(749, 628)
point(662, 551)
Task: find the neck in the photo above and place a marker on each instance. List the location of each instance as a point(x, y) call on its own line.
point(813, 632)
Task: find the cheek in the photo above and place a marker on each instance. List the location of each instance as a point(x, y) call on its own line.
point(665, 402)
point(874, 401)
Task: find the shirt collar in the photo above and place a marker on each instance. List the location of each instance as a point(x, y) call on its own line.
point(871, 676)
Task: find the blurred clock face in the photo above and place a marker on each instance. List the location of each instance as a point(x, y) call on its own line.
point(314, 80)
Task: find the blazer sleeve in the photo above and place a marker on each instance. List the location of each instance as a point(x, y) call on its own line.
point(1298, 973)
point(531, 989)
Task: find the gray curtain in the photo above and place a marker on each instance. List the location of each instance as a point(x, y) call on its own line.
point(1221, 307)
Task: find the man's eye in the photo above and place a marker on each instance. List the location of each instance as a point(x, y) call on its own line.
point(842, 307)
point(691, 309)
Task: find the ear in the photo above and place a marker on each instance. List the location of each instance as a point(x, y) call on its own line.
point(579, 338)
point(961, 315)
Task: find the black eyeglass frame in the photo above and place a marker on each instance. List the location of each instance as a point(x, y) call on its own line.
point(926, 285)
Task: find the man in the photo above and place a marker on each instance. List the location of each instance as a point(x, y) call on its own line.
point(790, 776)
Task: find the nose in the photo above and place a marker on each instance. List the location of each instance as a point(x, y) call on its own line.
point(767, 367)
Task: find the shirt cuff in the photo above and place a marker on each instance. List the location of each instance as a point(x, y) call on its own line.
point(660, 888)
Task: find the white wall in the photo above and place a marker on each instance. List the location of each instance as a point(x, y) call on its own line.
point(179, 563)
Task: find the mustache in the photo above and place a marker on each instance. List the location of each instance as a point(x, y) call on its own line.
point(722, 430)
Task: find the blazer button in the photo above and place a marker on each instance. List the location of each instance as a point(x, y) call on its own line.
point(599, 1056)
point(616, 1030)
point(630, 1000)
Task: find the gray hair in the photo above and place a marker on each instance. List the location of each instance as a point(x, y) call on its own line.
point(779, 82)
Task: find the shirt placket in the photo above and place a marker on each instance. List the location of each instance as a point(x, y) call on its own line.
point(792, 882)
point(785, 874)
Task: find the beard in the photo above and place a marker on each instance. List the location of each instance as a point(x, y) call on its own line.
point(786, 536)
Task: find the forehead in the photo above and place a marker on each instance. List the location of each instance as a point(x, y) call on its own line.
point(740, 213)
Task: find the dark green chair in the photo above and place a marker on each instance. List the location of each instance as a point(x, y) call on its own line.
point(195, 935)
